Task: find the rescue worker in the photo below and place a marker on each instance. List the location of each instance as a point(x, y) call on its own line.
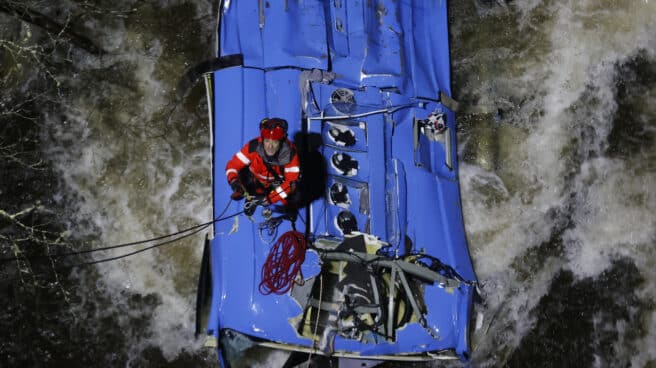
point(266, 167)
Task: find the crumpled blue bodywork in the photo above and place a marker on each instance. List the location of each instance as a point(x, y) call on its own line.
point(393, 56)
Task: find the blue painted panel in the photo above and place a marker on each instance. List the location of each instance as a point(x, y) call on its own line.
point(213, 323)
point(319, 218)
point(451, 208)
point(339, 28)
point(228, 33)
point(442, 304)
point(289, 33)
point(396, 205)
point(282, 96)
point(241, 100)
point(378, 166)
point(426, 40)
point(384, 47)
point(240, 32)
point(347, 61)
point(373, 44)
point(294, 33)
point(462, 319)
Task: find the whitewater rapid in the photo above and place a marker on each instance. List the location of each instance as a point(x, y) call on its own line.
point(542, 86)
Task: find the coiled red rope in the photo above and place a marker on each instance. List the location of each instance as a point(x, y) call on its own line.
point(283, 263)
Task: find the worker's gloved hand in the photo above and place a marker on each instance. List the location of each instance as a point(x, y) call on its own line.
point(252, 203)
point(250, 206)
point(237, 190)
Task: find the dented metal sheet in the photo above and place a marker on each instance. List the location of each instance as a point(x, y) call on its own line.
point(400, 44)
point(388, 275)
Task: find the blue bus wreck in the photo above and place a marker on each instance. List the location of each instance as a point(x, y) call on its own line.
point(385, 273)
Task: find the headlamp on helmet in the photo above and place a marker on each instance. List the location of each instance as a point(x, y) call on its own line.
point(273, 128)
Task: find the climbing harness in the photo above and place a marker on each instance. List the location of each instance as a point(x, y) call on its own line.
point(250, 205)
point(268, 230)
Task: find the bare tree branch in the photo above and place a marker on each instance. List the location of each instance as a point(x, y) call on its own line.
point(59, 30)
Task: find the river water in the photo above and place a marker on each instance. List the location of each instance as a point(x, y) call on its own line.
point(557, 140)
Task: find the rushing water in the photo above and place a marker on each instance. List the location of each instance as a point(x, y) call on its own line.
point(557, 145)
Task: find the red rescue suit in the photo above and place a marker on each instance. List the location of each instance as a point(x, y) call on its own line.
point(278, 179)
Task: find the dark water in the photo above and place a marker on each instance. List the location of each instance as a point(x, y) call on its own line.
point(557, 144)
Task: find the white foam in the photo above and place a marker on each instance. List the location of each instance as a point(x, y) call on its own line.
point(609, 221)
point(134, 186)
point(573, 88)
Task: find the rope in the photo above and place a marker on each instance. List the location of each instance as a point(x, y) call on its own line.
point(190, 230)
point(283, 263)
point(185, 234)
